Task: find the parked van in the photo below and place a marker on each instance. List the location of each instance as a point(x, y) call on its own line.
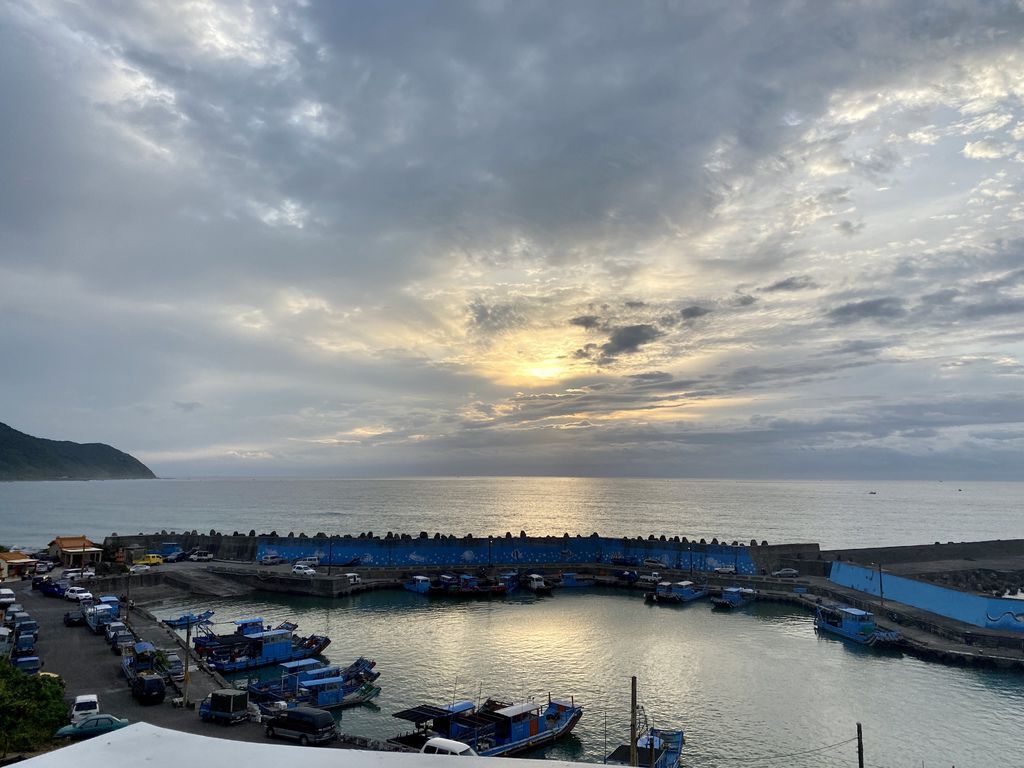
point(70, 574)
point(312, 561)
point(150, 558)
point(6, 597)
point(440, 746)
point(353, 578)
point(86, 705)
point(306, 725)
point(149, 689)
point(650, 578)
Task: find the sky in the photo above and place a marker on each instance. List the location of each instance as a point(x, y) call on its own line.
point(697, 239)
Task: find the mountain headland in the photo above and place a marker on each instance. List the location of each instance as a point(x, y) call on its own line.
point(24, 457)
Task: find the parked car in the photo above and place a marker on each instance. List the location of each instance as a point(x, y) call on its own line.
point(112, 629)
point(786, 573)
point(201, 556)
point(650, 578)
point(121, 640)
point(175, 557)
point(84, 706)
point(725, 569)
point(654, 562)
point(442, 746)
point(271, 560)
point(138, 568)
point(353, 578)
point(78, 594)
point(51, 588)
point(150, 558)
point(312, 561)
point(303, 570)
point(306, 725)
point(93, 725)
point(74, 619)
point(7, 597)
point(70, 574)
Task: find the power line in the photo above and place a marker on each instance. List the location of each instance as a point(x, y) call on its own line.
point(790, 754)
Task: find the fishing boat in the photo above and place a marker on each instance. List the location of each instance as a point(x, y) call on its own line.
point(854, 624)
point(535, 583)
point(678, 592)
point(421, 585)
point(187, 619)
point(733, 597)
point(251, 646)
point(493, 729)
point(654, 747)
point(295, 675)
point(575, 581)
point(510, 579)
point(467, 585)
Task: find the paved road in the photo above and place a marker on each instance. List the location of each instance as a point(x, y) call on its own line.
point(88, 666)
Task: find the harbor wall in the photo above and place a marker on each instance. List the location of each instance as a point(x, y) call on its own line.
point(409, 552)
point(922, 553)
point(977, 610)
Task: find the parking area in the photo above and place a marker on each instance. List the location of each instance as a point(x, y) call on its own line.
point(87, 665)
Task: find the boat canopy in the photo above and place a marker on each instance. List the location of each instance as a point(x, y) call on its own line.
point(854, 612)
point(322, 681)
point(301, 664)
point(422, 714)
point(145, 647)
point(270, 634)
point(420, 578)
point(517, 709)
point(241, 622)
point(684, 583)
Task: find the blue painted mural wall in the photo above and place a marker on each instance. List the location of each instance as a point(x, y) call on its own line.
point(987, 612)
point(474, 553)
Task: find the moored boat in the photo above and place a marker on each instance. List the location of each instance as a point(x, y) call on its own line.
point(422, 585)
point(250, 646)
point(494, 729)
point(733, 597)
point(187, 619)
point(535, 583)
point(574, 580)
point(678, 592)
point(854, 624)
point(655, 747)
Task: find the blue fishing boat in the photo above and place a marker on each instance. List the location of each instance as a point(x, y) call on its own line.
point(854, 624)
point(494, 729)
point(251, 646)
point(189, 618)
point(311, 683)
point(678, 592)
point(510, 579)
point(733, 597)
point(656, 747)
point(422, 585)
point(575, 580)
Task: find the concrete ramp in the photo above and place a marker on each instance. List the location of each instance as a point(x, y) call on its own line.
point(201, 582)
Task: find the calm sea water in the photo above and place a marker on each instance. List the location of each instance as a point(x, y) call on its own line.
point(744, 686)
point(833, 513)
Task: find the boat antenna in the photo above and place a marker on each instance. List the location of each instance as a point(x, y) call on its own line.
point(455, 688)
point(606, 736)
point(632, 725)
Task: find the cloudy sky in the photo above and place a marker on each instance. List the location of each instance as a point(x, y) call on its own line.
point(764, 239)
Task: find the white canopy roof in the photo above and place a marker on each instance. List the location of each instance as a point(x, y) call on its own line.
point(145, 744)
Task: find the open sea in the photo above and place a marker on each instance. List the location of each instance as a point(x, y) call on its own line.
point(753, 688)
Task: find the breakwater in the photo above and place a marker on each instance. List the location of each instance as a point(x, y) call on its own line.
point(439, 550)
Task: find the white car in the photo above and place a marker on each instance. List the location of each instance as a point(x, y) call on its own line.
point(725, 569)
point(78, 594)
point(139, 568)
point(86, 705)
point(303, 570)
point(201, 557)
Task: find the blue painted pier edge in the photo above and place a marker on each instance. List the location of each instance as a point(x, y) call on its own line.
point(978, 610)
point(469, 553)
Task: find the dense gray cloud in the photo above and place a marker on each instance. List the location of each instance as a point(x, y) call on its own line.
point(346, 237)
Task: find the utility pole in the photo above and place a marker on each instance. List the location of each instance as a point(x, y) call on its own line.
point(632, 727)
point(860, 747)
point(188, 656)
point(881, 592)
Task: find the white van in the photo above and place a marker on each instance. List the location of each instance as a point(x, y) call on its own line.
point(86, 705)
point(650, 578)
point(7, 597)
point(440, 746)
point(353, 578)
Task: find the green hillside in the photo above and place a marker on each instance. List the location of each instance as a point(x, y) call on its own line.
point(23, 457)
